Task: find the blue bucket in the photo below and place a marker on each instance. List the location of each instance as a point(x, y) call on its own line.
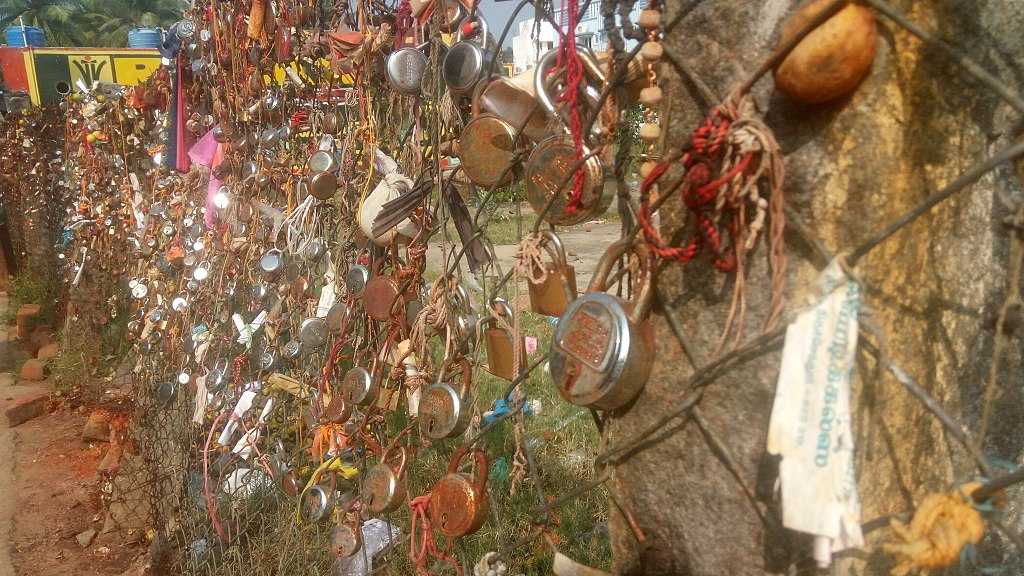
point(145, 38)
point(22, 36)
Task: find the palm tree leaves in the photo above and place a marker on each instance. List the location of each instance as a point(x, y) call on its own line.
point(90, 22)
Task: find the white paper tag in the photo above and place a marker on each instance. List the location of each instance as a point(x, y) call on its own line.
point(202, 398)
point(810, 426)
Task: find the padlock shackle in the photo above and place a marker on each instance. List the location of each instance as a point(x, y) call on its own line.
point(467, 375)
point(479, 458)
point(483, 31)
point(544, 66)
point(642, 300)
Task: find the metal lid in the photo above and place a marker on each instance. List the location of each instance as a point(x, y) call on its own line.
point(316, 504)
point(272, 261)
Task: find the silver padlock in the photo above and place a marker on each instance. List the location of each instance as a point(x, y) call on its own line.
point(356, 279)
point(360, 387)
point(384, 485)
point(466, 60)
point(316, 504)
point(405, 68)
point(602, 349)
point(444, 412)
point(272, 262)
point(313, 333)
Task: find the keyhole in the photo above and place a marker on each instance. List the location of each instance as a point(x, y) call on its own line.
point(444, 519)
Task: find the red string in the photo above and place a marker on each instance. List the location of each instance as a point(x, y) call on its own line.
point(699, 194)
point(427, 547)
point(570, 60)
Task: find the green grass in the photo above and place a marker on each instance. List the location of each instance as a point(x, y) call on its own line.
point(564, 442)
point(30, 289)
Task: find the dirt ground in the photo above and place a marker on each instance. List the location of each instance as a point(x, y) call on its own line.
point(584, 245)
point(50, 488)
point(57, 491)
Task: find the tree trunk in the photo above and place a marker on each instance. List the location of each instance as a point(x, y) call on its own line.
point(933, 289)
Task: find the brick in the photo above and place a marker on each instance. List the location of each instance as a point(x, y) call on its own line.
point(97, 426)
point(48, 351)
point(26, 409)
point(111, 462)
point(32, 371)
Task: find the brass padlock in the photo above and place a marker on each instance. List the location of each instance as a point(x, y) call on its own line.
point(443, 411)
point(458, 502)
point(552, 296)
point(347, 535)
point(384, 485)
point(603, 347)
point(501, 345)
point(360, 387)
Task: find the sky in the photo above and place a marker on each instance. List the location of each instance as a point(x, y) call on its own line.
point(498, 12)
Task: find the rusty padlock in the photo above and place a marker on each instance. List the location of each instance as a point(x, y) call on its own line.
point(380, 295)
point(549, 169)
point(603, 346)
point(337, 410)
point(443, 411)
point(552, 296)
point(488, 147)
point(458, 502)
point(360, 387)
point(501, 344)
point(384, 485)
point(347, 535)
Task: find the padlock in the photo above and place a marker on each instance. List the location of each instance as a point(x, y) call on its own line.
point(405, 68)
point(337, 410)
point(549, 168)
point(458, 502)
point(488, 147)
point(513, 100)
point(347, 535)
point(552, 296)
point(500, 343)
point(272, 262)
point(356, 279)
point(380, 296)
point(313, 333)
point(360, 387)
point(316, 503)
point(443, 411)
point(384, 485)
point(602, 349)
point(466, 59)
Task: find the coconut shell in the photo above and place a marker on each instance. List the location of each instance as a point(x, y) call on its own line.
point(833, 59)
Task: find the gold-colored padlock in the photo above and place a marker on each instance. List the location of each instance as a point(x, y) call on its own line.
point(552, 296)
point(501, 344)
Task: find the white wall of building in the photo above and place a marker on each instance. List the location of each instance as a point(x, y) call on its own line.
point(530, 41)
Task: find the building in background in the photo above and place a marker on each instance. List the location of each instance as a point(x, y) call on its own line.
point(535, 37)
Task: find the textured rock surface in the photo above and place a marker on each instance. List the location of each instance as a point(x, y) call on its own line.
point(912, 127)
